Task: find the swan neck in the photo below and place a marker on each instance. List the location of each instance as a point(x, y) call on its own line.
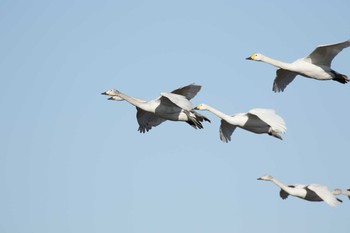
point(276, 63)
point(216, 112)
point(292, 191)
point(282, 186)
point(131, 100)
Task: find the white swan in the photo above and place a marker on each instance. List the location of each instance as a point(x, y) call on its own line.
point(174, 106)
point(257, 120)
point(312, 192)
point(316, 65)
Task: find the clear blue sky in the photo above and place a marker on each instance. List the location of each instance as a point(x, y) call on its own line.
point(71, 161)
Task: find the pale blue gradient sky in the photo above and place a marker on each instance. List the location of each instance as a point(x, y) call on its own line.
point(71, 161)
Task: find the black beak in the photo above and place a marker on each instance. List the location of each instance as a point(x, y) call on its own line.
point(110, 98)
point(103, 93)
point(249, 58)
point(259, 178)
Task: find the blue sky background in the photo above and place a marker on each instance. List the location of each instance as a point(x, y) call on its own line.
point(71, 161)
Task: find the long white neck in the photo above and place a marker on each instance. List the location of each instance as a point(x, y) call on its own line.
point(217, 112)
point(134, 101)
point(277, 63)
point(290, 190)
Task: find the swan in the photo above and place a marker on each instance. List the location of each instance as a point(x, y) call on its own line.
point(174, 106)
point(258, 120)
point(316, 65)
point(312, 192)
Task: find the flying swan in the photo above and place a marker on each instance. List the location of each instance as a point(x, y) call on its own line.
point(258, 120)
point(316, 65)
point(174, 106)
point(312, 192)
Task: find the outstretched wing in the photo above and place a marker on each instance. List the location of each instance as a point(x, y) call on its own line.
point(226, 131)
point(178, 100)
point(270, 117)
point(324, 54)
point(188, 91)
point(283, 78)
point(147, 120)
point(324, 194)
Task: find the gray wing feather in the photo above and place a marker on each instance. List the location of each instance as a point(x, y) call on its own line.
point(324, 54)
point(188, 91)
point(283, 78)
point(178, 100)
point(270, 117)
point(226, 131)
point(147, 120)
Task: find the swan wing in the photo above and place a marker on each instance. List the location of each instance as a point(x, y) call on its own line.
point(283, 194)
point(283, 78)
point(147, 120)
point(188, 91)
point(324, 54)
point(270, 117)
point(324, 193)
point(179, 100)
point(226, 131)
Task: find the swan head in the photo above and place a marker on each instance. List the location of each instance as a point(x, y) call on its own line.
point(110, 92)
point(116, 98)
point(265, 177)
point(337, 191)
point(255, 57)
point(201, 107)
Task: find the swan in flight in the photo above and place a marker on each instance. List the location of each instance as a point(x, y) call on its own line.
point(258, 120)
point(174, 106)
point(316, 65)
point(312, 192)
